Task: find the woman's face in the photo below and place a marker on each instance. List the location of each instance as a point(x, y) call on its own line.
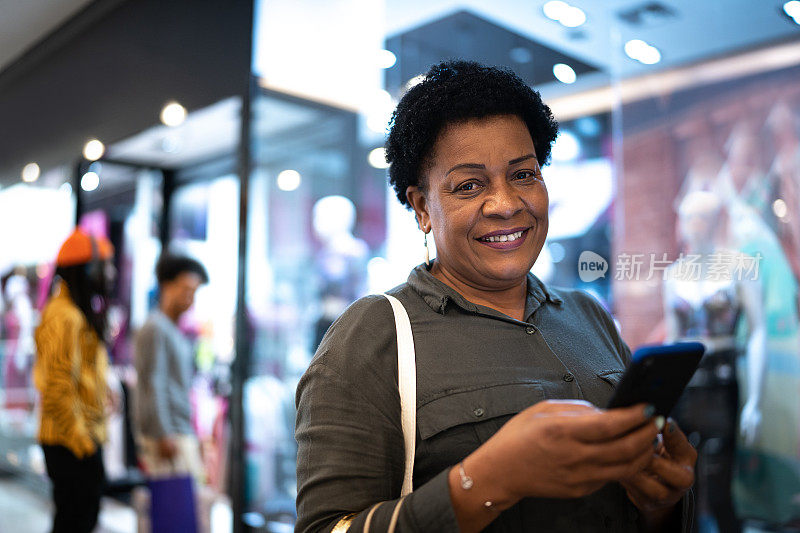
point(485, 202)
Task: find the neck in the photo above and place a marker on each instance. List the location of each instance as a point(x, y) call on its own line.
point(172, 315)
point(508, 299)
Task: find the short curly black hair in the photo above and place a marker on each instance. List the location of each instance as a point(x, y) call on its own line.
point(170, 266)
point(452, 92)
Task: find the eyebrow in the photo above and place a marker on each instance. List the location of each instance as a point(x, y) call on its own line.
point(483, 167)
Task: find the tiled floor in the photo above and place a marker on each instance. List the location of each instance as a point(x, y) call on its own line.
point(24, 511)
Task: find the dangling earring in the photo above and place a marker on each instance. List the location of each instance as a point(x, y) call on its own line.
point(427, 252)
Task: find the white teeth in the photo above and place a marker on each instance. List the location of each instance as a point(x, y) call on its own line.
point(504, 238)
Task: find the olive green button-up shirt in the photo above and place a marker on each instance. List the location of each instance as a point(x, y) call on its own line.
point(476, 368)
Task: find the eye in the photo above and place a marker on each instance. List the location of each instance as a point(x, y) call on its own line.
point(528, 175)
point(468, 186)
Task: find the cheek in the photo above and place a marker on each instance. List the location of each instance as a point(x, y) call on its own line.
point(452, 222)
point(539, 203)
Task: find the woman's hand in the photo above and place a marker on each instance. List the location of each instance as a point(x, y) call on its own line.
point(554, 449)
point(660, 486)
point(565, 449)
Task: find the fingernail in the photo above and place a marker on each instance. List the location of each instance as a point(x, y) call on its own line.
point(660, 422)
point(671, 428)
point(649, 410)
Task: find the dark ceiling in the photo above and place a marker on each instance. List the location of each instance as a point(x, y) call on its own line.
point(465, 35)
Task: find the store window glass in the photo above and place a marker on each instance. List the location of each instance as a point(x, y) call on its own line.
point(707, 247)
point(324, 226)
point(658, 134)
point(204, 224)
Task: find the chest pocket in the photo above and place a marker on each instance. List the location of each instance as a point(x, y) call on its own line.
point(610, 379)
point(479, 411)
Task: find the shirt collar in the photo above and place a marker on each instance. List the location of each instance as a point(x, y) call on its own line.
point(439, 295)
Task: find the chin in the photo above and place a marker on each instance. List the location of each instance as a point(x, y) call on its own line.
point(508, 272)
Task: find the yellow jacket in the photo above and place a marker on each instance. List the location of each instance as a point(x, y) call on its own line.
point(70, 373)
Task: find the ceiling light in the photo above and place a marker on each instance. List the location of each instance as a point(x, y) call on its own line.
point(90, 181)
point(567, 15)
point(564, 73)
point(567, 146)
point(93, 150)
point(377, 158)
point(386, 59)
point(289, 180)
point(555, 9)
point(793, 10)
point(779, 208)
point(573, 17)
point(30, 173)
point(642, 52)
point(173, 114)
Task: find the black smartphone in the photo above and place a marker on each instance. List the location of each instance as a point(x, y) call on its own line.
point(658, 375)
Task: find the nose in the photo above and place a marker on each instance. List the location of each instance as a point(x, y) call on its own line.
point(502, 201)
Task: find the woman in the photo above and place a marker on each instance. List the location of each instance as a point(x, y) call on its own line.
point(70, 373)
point(497, 352)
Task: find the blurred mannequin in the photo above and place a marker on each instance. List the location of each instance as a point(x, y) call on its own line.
point(705, 162)
point(341, 262)
point(744, 176)
point(783, 126)
point(19, 321)
point(748, 192)
point(703, 300)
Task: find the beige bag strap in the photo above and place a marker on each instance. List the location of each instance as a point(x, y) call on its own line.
point(392, 522)
point(407, 384)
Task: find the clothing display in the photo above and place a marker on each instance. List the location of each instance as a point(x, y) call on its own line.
point(476, 368)
point(712, 430)
point(708, 410)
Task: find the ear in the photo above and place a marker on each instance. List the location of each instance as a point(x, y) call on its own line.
point(419, 204)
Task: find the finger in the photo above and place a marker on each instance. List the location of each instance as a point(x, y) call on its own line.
point(677, 445)
point(671, 473)
point(625, 449)
point(624, 470)
point(612, 424)
point(650, 489)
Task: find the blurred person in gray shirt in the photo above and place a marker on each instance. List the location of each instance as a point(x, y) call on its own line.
point(166, 440)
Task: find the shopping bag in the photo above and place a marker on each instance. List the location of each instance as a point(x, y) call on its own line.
point(172, 505)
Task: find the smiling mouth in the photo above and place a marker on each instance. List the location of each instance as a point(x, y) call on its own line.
point(503, 238)
point(500, 237)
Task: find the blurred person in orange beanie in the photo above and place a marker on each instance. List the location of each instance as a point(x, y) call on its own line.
point(70, 373)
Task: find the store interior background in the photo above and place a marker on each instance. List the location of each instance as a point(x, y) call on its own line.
point(275, 180)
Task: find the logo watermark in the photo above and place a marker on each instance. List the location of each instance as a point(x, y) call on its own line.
point(591, 266)
point(717, 266)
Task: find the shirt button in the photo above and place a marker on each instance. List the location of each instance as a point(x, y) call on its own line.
point(568, 377)
point(478, 412)
point(530, 330)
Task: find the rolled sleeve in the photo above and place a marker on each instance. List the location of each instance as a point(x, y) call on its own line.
point(351, 457)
